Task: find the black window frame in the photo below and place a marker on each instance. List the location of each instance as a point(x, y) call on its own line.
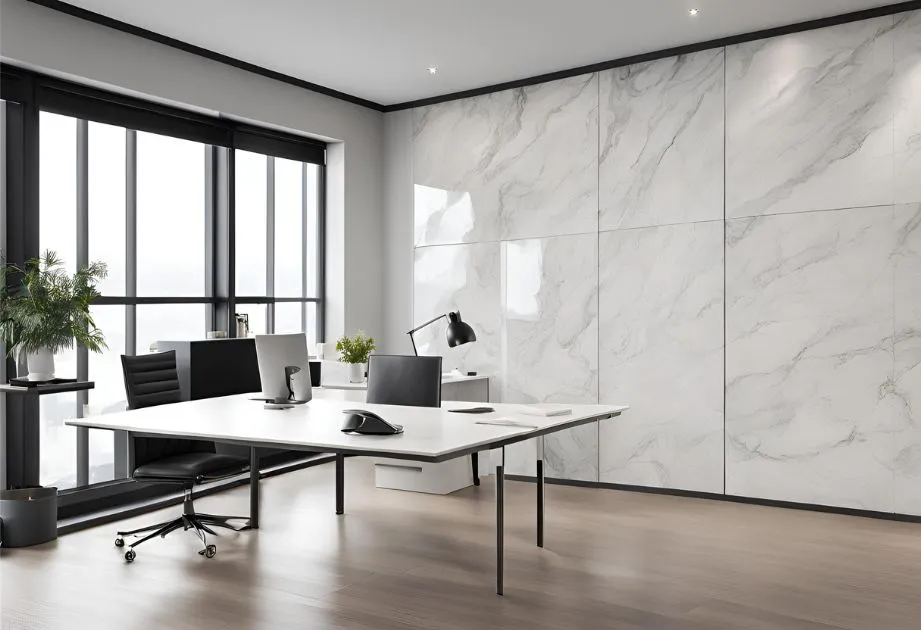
point(29, 93)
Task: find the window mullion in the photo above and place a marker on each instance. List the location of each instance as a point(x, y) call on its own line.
point(82, 236)
point(270, 243)
point(131, 163)
point(305, 236)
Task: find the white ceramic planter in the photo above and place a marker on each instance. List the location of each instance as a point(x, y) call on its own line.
point(41, 365)
point(357, 372)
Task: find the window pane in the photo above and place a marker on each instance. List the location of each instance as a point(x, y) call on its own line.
point(257, 317)
point(58, 186)
point(58, 443)
point(169, 322)
point(171, 216)
point(107, 203)
point(288, 317)
point(250, 175)
point(313, 229)
point(105, 370)
point(289, 228)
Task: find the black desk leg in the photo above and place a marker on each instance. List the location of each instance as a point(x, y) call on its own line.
point(253, 488)
point(540, 492)
point(500, 524)
point(340, 484)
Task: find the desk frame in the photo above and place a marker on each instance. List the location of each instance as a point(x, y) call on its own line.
point(341, 454)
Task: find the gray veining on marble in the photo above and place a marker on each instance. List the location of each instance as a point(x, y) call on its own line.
point(661, 336)
point(521, 163)
point(551, 340)
point(463, 278)
point(907, 107)
point(809, 357)
point(661, 158)
point(907, 382)
point(809, 121)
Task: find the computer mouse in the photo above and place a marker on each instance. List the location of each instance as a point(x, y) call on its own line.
point(365, 422)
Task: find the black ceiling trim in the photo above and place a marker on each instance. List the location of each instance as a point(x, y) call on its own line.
point(856, 16)
point(124, 27)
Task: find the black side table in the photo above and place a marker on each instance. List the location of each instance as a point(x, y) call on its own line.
point(22, 429)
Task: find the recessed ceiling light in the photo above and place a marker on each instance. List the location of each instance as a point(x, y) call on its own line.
point(433, 69)
point(693, 12)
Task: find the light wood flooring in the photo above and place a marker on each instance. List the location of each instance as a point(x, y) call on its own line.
point(404, 560)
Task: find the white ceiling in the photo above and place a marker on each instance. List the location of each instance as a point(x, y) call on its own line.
point(379, 49)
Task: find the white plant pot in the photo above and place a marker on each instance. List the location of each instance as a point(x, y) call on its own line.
point(41, 365)
point(357, 372)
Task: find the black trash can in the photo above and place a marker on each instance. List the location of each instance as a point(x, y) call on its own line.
point(28, 516)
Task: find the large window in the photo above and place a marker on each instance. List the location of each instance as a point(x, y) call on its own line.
point(167, 204)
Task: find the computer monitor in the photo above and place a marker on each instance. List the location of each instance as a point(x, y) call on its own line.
point(283, 368)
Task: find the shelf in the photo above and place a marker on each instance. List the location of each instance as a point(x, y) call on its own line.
point(41, 390)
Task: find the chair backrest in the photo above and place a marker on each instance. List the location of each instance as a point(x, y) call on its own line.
point(404, 380)
point(152, 380)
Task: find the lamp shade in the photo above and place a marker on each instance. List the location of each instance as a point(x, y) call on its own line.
point(459, 332)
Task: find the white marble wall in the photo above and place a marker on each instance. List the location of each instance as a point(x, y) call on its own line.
point(594, 230)
point(461, 278)
point(809, 121)
point(907, 107)
point(809, 357)
point(661, 313)
point(551, 343)
point(515, 164)
point(661, 159)
point(907, 346)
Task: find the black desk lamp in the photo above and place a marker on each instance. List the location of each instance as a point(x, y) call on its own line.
point(458, 332)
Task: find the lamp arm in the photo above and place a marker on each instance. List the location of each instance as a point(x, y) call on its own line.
point(418, 328)
point(431, 321)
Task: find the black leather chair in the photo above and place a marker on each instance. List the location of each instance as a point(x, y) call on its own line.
point(408, 380)
point(152, 380)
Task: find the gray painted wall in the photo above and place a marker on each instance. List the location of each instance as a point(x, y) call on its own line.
point(44, 39)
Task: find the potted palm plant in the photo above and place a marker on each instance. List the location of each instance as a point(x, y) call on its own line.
point(44, 309)
point(355, 351)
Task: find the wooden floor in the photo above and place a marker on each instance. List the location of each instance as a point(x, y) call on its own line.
point(404, 560)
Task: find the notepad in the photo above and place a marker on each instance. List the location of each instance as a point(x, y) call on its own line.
point(543, 410)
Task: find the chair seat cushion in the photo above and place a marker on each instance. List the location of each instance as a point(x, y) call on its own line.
point(192, 467)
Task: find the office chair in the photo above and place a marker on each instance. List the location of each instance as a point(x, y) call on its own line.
point(408, 380)
point(152, 380)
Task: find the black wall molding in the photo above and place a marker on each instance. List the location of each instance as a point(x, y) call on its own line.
point(799, 27)
point(729, 498)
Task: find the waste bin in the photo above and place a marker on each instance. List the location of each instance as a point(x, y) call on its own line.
point(28, 516)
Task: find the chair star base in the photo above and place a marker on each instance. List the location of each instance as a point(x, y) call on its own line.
point(201, 523)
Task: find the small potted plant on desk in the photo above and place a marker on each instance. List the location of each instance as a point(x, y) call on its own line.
point(355, 351)
point(44, 309)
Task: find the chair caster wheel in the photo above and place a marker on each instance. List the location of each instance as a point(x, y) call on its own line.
point(130, 555)
point(209, 552)
point(119, 542)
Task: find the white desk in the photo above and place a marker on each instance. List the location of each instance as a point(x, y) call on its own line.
point(430, 435)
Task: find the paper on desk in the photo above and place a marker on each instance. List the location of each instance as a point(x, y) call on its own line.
point(507, 422)
point(544, 410)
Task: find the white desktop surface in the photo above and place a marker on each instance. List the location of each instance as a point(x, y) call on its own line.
point(430, 434)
